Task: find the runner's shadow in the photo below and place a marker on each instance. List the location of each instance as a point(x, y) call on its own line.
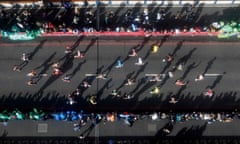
point(4, 134)
point(50, 80)
point(89, 80)
point(145, 41)
point(184, 59)
point(217, 80)
point(23, 64)
point(194, 131)
point(139, 84)
point(68, 63)
point(99, 70)
point(46, 62)
point(168, 64)
point(45, 66)
point(73, 47)
point(109, 68)
point(87, 132)
point(209, 65)
point(179, 45)
point(182, 88)
point(164, 81)
point(123, 83)
point(162, 133)
point(163, 40)
point(143, 89)
point(93, 41)
point(148, 53)
point(32, 54)
point(140, 70)
point(76, 44)
point(189, 68)
point(76, 69)
point(100, 91)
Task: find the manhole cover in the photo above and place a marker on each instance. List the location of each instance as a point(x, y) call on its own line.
point(152, 127)
point(42, 128)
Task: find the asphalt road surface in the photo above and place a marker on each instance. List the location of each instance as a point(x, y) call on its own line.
point(217, 59)
point(200, 55)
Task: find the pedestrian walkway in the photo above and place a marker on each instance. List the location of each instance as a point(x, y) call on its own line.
point(143, 131)
point(8, 3)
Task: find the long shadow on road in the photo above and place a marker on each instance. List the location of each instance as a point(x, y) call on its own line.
point(45, 65)
point(32, 54)
point(67, 64)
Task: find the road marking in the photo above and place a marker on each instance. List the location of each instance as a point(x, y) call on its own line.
point(90, 74)
point(155, 74)
point(213, 74)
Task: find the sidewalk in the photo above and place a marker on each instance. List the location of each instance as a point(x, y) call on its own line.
point(7, 3)
point(144, 131)
point(145, 127)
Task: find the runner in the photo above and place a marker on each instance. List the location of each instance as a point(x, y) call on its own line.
point(66, 79)
point(101, 76)
point(139, 62)
point(180, 83)
point(133, 53)
point(33, 73)
point(173, 100)
point(25, 58)
point(57, 72)
point(115, 93)
point(119, 64)
point(79, 54)
point(31, 82)
point(93, 100)
point(209, 92)
point(16, 68)
point(68, 50)
point(127, 96)
point(155, 48)
point(130, 82)
point(155, 90)
point(85, 84)
point(56, 65)
point(71, 99)
point(169, 58)
point(199, 77)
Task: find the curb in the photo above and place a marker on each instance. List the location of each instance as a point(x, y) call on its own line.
point(131, 34)
point(23, 35)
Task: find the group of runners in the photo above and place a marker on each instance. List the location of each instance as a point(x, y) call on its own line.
point(57, 70)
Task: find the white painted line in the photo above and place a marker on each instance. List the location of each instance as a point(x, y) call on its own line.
point(90, 74)
point(213, 74)
point(224, 2)
point(155, 74)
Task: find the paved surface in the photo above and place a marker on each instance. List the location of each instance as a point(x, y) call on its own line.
point(199, 54)
point(203, 55)
point(210, 57)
